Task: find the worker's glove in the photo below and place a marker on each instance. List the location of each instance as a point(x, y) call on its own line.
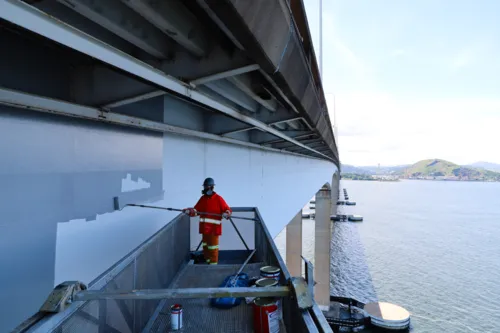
point(189, 211)
point(226, 214)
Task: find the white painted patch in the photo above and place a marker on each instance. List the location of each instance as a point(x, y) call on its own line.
point(129, 185)
point(86, 249)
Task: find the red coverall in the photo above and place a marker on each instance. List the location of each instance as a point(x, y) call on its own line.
point(210, 225)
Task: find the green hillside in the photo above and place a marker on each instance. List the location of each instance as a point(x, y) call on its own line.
point(440, 169)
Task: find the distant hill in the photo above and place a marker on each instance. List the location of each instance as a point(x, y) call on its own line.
point(346, 168)
point(373, 170)
point(485, 165)
point(385, 170)
point(441, 169)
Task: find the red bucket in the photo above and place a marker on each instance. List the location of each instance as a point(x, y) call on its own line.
point(265, 316)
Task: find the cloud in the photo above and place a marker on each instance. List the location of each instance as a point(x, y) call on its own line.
point(382, 128)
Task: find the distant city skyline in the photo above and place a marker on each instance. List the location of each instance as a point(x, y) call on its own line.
point(412, 80)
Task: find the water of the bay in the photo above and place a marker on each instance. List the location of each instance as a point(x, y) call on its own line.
point(432, 247)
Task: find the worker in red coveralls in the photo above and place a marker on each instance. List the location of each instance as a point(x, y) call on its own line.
point(210, 225)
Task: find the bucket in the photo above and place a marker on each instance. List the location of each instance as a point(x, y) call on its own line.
point(267, 282)
point(265, 315)
point(176, 317)
point(271, 272)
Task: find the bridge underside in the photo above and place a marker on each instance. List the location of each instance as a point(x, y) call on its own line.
point(214, 64)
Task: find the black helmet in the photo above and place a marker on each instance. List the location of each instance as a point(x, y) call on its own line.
point(209, 182)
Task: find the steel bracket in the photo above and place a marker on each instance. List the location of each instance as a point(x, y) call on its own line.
point(62, 296)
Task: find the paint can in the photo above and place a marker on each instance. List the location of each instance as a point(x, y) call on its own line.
point(266, 282)
point(269, 282)
point(176, 317)
point(271, 272)
point(265, 315)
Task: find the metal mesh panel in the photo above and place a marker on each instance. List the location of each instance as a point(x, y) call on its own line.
point(152, 265)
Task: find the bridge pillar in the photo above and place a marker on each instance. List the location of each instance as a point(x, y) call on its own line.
point(335, 191)
point(323, 237)
point(294, 245)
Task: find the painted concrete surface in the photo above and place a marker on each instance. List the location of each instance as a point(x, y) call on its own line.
point(279, 185)
point(59, 177)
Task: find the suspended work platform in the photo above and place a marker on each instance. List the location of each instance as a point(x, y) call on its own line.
point(135, 295)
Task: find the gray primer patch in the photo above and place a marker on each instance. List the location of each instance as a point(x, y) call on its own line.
point(130, 185)
point(57, 169)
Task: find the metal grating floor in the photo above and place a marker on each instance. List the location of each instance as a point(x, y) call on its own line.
point(198, 315)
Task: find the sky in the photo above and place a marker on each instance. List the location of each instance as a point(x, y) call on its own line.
point(411, 80)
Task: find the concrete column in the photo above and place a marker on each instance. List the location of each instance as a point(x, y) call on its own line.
point(294, 245)
point(335, 191)
point(323, 236)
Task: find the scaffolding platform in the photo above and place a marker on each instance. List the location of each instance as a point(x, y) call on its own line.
point(136, 293)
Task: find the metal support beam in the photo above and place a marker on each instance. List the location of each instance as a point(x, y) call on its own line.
point(315, 145)
point(134, 99)
point(260, 137)
point(244, 82)
point(219, 124)
point(150, 294)
point(124, 22)
point(30, 18)
point(287, 145)
point(239, 131)
point(188, 67)
point(223, 75)
point(175, 20)
point(325, 150)
point(47, 105)
point(307, 135)
point(294, 124)
point(229, 91)
point(96, 85)
point(219, 23)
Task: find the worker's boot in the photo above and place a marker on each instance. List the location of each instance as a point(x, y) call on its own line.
point(198, 258)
